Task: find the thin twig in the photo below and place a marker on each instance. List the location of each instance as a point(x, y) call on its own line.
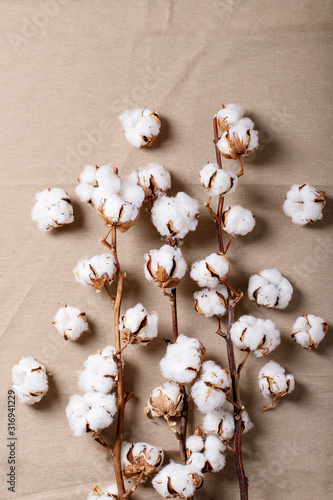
point(97, 437)
point(241, 172)
point(172, 426)
point(134, 487)
point(240, 366)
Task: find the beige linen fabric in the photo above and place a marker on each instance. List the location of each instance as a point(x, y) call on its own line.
point(68, 68)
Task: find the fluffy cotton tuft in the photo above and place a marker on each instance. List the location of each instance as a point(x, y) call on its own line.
point(255, 334)
point(141, 126)
point(229, 115)
point(209, 391)
point(238, 221)
point(309, 330)
point(219, 182)
point(140, 459)
point(53, 209)
point(210, 271)
point(195, 443)
point(107, 493)
point(211, 301)
point(138, 326)
point(274, 380)
point(269, 288)
point(96, 271)
point(240, 139)
point(30, 381)
point(175, 216)
point(183, 360)
point(220, 422)
point(304, 204)
point(153, 179)
point(165, 267)
point(166, 400)
point(100, 372)
point(177, 481)
point(71, 322)
point(91, 412)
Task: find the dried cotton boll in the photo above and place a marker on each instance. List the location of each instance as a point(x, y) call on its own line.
point(229, 115)
point(166, 400)
point(211, 301)
point(141, 126)
point(255, 334)
point(239, 140)
point(274, 380)
point(140, 459)
point(165, 267)
point(183, 360)
point(309, 330)
point(91, 412)
point(153, 179)
point(71, 322)
point(238, 221)
point(304, 204)
point(107, 493)
point(219, 182)
point(177, 481)
point(138, 326)
point(53, 209)
point(210, 271)
point(30, 381)
point(96, 271)
point(270, 289)
point(219, 422)
point(100, 372)
point(174, 217)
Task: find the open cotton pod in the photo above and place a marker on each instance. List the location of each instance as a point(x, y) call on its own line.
point(100, 372)
point(261, 336)
point(309, 330)
point(183, 360)
point(270, 289)
point(140, 459)
point(30, 381)
point(209, 391)
point(93, 411)
point(108, 493)
point(211, 271)
point(177, 481)
point(167, 400)
point(137, 326)
point(140, 126)
point(304, 204)
point(217, 181)
point(70, 322)
point(96, 271)
point(165, 267)
point(240, 139)
point(228, 115)
point(53, 209)
point(211, 301)
point(238, 221)
point(153, 179)
point(275, 382)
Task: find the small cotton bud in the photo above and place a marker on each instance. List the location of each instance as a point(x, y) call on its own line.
point(269, 288)
point(138, 326)
point(238, 221)
point(107, 493)
point(304, 204)
point(53, 209)
point(165, 267)
point(96, 271)
point(153, 179)
point(100, 372)
point(93, 411)
point(71, 322)
point(140, 459)
point(229, 115)
point(217, 181)
point(177, 481)
point(274, 380)
point(240, 139)
point(183, 360)
point(30, 381)
point(209, 391)
point(166, 400)
point(175, 216)
point(210, 271)
point(140, 126)
point(309, 330)
point(211, 301)
point(255, 334)
point(219, 422)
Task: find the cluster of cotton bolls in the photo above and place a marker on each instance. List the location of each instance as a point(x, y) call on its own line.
point(183, 359)
point(94, 410)
point(217, 181)
point(269, 288)
point(140, 460)
point(238, 135)
point(53, 209)
point(138, 326)
point(96, 271)
point(249, 333)
point(304, 204)
point(165, 267)
point(309, 330)
point(274, 381)
point(30, 380)
point(107, 493)
point(140, 126)
point(70, 322)
point(153, 179)
point(206, 453)
point(177, 481)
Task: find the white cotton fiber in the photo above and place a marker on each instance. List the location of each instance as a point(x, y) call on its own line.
point(30, 381)
point(53, 209)
point(229, 115)
point(165, 267)
point(183, 359)
point(166, 400)
point(240, 139)
point(219, 182)
point(96, 271)
point(138, 326)
point(140, 458)
point(274, 380)
point(100, 372)
point(71, 322)
point(309, 330)
point(211, 301)
point(255, 334)
point(238, 221)
point(219, 422)
point(209, 391)
point(91, 412)
point(177, 481)
point(210, 271)
point(304, 204)
point(141, 126)
point(153, 179)
point(270, 289)
point(107, 493)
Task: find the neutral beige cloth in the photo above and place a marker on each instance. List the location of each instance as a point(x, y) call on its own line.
point(68, 68)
